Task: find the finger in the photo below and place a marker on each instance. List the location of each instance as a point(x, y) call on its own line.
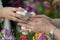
point(21, 21)
point(22, 24)
point(42, 16)
point(20, 9)
point(39, 16)
point(29, 28)
point(24, 30)
point(33, 20)
point(15, 19)
point(17, 15)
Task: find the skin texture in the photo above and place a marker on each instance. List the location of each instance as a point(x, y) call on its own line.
point(9, 13)
point(38, 23)
point(41, 23)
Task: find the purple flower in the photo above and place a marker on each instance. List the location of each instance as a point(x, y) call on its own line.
point(41, 37)
point(31, 9)
point(7, 33)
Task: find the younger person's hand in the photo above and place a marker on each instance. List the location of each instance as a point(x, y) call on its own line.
point(10, 13)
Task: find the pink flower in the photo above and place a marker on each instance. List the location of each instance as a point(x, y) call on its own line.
point(46, 4)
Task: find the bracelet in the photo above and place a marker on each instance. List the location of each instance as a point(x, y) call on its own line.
point(51, 34)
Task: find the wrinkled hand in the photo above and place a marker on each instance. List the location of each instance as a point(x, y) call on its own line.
point(38, 23)
point(9, 13)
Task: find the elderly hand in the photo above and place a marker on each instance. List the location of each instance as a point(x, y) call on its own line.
point(9, 13)
point(38, 23)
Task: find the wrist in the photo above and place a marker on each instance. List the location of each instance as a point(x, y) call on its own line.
point(49, 29)
point(56, 33)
